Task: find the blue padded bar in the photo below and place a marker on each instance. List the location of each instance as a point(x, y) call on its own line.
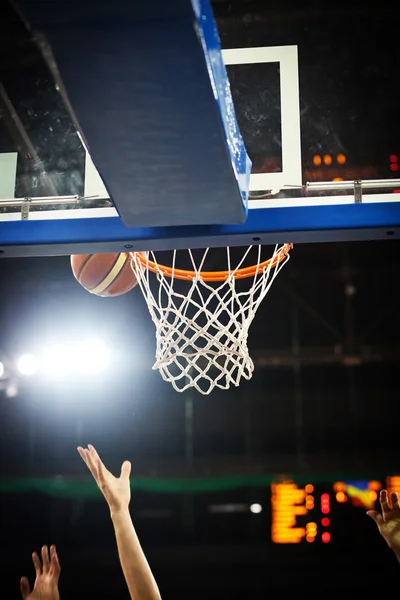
point(150, 92)
point(349, 222)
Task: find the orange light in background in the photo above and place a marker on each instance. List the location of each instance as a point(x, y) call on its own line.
point(326, 537)
point(339, 486)
point(393, 484)
point(328, 159)
point(341, 159)
point(337, 179)
point(309, 488)
point(325, 504)
point(373, 495)
point(341, 497)
point(311, 531)
point(375, 485)
point(311, 528)
point(325, 522)
point(317, 160)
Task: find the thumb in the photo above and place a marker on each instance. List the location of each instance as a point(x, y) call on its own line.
point(377, 517)
point(126, 469)
point(24, 587)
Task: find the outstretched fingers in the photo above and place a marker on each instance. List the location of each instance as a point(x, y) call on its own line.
point(37, 564)
point(377, 517)
point(102, 472)
point(83, 454)
point(46, 564)
point(93, 452)
point(24, 587)
point(126, 470)
point(54, 562)
point(45, 560)
point(384, 500)
point(395, 500)
point(387, 508)
point(87, 457)
point(100, 468)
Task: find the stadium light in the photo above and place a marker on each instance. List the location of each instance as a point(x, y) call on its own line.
point(94, 356)
point(27, 365)
point(56, 361)
point(76, 360)
point(12, 390)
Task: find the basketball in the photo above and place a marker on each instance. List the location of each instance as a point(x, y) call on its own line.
point(104, 274)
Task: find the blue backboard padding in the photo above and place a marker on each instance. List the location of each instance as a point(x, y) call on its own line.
point(350, 222)
point(152, 98)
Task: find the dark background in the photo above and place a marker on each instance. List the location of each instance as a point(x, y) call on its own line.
point(322, 405)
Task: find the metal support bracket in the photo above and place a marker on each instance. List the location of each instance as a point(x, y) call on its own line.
point(25, 209)
point(358, 191)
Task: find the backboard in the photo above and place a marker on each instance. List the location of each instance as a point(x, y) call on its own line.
point(315, 100)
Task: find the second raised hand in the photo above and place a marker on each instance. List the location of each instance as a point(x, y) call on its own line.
point(116, 490)
point(389, 521)
point(47, 575)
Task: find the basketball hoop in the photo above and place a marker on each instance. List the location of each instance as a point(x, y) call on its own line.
point(202, 330)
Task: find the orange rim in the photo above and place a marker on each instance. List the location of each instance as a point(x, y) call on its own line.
point(215, 275)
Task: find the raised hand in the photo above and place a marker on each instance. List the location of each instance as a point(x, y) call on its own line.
point(116, 490)
point(47, 575)
point(389, 521)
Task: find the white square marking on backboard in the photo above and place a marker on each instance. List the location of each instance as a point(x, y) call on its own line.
point(287, 57)
point(8, 174)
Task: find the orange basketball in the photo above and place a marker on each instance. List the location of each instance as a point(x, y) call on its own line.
point(104, 274)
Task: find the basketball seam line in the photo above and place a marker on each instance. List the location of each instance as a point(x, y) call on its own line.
point(111, 276)
point(83, 264)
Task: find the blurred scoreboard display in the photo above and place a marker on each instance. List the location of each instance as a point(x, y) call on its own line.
point(304, 513)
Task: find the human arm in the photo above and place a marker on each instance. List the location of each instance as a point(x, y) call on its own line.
point(116, 490)
point(389, 521)
point(47, 575)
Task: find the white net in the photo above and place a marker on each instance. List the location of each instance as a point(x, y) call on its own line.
point(201, 325)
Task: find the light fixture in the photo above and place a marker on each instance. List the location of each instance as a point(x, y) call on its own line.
point(27, 365)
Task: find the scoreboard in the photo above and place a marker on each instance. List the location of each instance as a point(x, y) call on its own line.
point(301, 514)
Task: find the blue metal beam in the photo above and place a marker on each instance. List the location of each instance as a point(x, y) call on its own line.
point(349, 222)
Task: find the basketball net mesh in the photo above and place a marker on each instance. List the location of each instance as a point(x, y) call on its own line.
point(201, 331)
